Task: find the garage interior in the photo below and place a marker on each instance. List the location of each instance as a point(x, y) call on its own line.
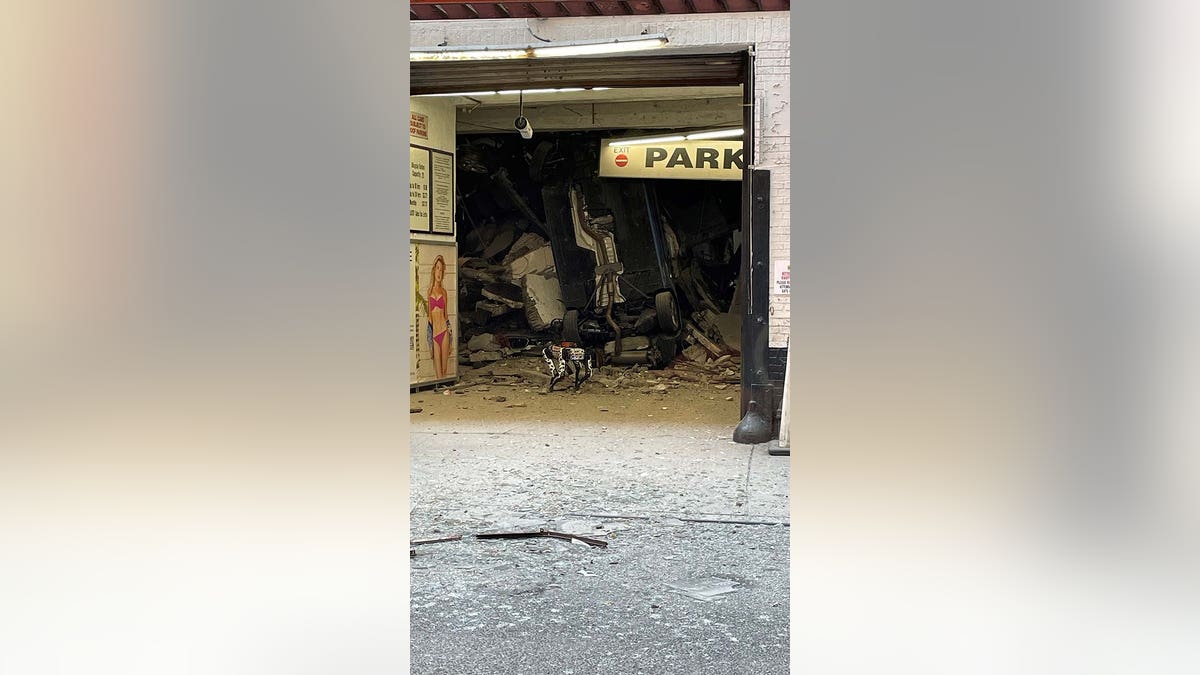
point(521, 281)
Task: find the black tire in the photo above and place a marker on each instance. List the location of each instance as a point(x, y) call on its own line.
point(669, 320)
point(570, 329)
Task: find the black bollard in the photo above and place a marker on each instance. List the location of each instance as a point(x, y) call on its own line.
point(757, 426)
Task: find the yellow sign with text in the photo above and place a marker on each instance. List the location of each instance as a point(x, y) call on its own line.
point(681, 160)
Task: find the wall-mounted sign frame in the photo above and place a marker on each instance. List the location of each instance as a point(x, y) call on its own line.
point(441, 192)
point(420, 215)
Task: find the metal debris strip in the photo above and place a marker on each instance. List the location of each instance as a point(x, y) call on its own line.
point(526, 534)
point(420, 542)
point(611, 516)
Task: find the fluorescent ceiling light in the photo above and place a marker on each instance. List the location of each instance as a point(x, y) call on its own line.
point(573, 48)
point(465, 93)
point(721, 133)
point(699, 135)
point(603, 48)
point(469, 55)
point(601, 88)
point(508, 92)
point(514, 92)
point(643, 141)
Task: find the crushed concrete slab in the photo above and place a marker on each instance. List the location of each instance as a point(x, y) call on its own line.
point(542, 296)
point(538, 261)
point(485, 356)
point(523, 245)
point(507, 294)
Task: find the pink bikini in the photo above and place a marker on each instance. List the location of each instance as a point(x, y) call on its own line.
point(438, 303)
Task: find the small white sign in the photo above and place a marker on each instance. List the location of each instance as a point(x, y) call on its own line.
point(418, 125)
point(442, 199)
point(782, 279)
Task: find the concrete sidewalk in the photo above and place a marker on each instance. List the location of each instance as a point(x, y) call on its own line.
point(666, 596)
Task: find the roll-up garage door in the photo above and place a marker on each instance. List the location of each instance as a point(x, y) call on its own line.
point(723, 65)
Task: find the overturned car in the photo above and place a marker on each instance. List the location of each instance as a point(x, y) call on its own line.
point(610, 254)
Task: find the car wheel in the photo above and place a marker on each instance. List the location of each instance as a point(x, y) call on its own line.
point(570, 329)
point(668, 312)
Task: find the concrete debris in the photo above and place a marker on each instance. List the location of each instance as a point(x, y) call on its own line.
point(543, 300)
point(698, 337)
point(505, 293)
point(695, 353)
point(485, 356)
point(492, 309)
point(479, 274)
point(538, 261)
point(523, 245)
point(483, 341)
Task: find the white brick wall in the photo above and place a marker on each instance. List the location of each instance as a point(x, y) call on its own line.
point(767, 31)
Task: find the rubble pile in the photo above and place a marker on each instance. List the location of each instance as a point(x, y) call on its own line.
point(518, 296)
point(524, 203)
point(527, 373)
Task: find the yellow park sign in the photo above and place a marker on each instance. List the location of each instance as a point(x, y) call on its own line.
point(679, 160)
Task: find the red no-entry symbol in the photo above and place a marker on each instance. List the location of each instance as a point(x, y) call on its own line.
point(621, 160)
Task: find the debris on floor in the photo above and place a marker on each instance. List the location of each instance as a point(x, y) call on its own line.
point(519, 534)
point(542, 532)
point(704, 590)
point(438, 540)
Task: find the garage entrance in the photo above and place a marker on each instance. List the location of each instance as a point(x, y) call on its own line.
point(651, 273)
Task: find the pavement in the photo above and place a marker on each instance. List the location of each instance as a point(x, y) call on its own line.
point(667, 595)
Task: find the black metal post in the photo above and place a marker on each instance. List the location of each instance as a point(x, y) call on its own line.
point(756, 226)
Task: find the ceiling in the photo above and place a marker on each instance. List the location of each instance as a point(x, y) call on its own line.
point(424, 10)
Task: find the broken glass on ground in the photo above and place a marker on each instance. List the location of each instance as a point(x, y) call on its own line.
point(704, 590)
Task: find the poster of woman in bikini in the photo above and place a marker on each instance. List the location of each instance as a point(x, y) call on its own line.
point(439, 324)
point(434, 328)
